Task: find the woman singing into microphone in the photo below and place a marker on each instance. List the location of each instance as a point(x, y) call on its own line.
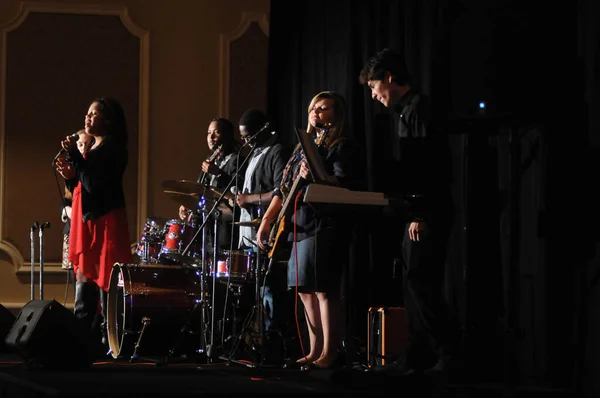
point(99, 235)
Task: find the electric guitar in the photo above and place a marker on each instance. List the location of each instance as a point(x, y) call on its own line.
point(279, 228)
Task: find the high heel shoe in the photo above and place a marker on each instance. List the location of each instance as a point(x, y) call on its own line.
point(298, 364)
point(337, 363)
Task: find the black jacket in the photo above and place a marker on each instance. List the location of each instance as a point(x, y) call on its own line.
point(101, 176)
point(423, 170)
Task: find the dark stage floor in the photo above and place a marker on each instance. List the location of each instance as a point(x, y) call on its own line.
point(121, 378)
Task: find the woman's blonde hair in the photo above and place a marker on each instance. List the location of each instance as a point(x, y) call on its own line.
point(340, 126)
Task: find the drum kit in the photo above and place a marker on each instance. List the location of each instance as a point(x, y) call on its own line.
point(169, 301)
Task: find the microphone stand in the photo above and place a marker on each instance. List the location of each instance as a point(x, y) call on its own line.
point(35, 226)
point(217, 216)
point(204, 348)
point(257, 310)
point(41, 234)
point(208, 348)
point(195, 237)
point(221, 197)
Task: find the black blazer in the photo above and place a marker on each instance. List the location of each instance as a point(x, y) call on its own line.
point(101, 177)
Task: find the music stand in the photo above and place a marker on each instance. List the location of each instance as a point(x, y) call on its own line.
point(313, 159)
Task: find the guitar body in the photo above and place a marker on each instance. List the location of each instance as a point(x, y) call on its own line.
point(279, 247)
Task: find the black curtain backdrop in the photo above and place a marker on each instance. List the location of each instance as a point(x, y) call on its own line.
point(521, 278)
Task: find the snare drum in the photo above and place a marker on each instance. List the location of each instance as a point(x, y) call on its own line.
point(154, 301)
point(237, 264)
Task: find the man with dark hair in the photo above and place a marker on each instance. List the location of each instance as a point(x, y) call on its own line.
point(217, 171)
point(263, 174)
point(423, 194)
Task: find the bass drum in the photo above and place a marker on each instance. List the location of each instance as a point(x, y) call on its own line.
point(148, 305)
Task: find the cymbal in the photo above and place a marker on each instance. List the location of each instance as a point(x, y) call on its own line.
point(253, 223)
point(192, 187)
point(215, 193)
point(182, 186)
point(188, 200)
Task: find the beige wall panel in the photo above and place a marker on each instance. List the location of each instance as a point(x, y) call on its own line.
point(177, 93)
point(55, 65)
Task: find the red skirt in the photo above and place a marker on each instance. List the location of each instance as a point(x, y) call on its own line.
point(96, 245)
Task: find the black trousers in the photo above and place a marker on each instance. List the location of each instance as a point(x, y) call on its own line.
point(276, 300)
point(432, 334)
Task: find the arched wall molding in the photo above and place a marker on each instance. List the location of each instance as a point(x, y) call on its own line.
point(143, 111)
point(225, 43)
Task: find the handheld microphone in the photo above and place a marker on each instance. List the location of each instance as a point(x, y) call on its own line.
point(75, 138)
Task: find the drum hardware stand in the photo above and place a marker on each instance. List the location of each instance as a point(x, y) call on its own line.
point(146, 252)
point(203, 278)
point(217, 216)
point(185, 329)
point(205, 348)
point(208, 348)
point(256, 315)
point(145, 322)
point(199, 303)
point(134, 356)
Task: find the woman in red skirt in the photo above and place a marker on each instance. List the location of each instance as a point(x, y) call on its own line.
point(99, 235)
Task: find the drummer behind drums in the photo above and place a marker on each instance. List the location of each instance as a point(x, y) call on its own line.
point(217, 171)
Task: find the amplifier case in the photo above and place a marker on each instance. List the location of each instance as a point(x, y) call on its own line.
point(387, 335)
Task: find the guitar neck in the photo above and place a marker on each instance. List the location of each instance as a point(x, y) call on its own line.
point(288, 199)
point(278, 227)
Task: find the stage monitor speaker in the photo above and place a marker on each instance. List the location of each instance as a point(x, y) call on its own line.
point(7, 319)
point(48, 335)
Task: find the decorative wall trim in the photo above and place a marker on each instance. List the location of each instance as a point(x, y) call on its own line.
point(224, 62)
point(27, 7)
